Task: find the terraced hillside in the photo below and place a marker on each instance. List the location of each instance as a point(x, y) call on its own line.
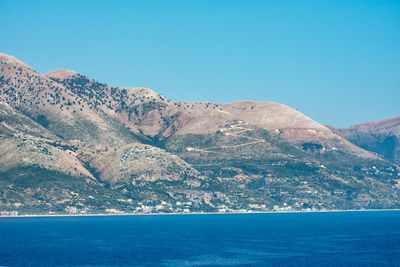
point(69, 143)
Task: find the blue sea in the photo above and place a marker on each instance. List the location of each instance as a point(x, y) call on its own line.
point(291, 239)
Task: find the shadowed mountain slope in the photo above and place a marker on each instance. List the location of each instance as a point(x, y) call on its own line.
point(382, 137)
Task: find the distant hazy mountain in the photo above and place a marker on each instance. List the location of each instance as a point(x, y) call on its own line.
point(382, 137)
point(67, 140)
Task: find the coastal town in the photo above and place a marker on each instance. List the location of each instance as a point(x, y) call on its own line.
point(167, 208)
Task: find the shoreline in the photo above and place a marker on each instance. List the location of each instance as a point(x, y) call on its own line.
point(189, 213)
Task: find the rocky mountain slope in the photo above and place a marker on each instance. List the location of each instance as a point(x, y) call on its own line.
point(153, 115)
point(382, 137)
point(69, 141)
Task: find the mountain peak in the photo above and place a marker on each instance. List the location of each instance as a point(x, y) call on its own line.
point(391, 125)
point(10, 60)
point(82, 143)
point(61, 74)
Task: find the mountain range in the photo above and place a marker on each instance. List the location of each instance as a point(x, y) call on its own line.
point(381, 137)
point(71, 144)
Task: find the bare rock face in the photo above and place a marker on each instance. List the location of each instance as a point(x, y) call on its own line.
point(382, 137)
point(24, 142)
point(26, 151)
point(135, 163)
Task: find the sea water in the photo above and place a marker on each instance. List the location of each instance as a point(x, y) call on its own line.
point(284, 239)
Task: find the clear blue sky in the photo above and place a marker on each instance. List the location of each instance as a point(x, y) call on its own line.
point(336, 61)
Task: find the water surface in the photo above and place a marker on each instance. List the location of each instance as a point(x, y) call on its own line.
point(296, 239)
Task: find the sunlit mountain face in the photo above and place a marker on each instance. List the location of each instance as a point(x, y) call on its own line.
point(69, 141)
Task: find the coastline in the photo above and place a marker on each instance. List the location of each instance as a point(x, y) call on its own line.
point(190, 213)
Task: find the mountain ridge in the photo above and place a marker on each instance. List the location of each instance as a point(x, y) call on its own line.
point(382, 137)
point(147, 153)
point(190, 117)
